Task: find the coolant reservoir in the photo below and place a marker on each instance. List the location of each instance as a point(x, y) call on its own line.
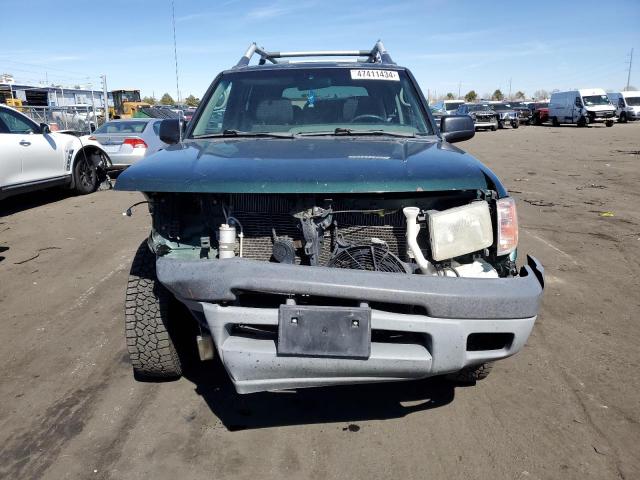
point(227, 241)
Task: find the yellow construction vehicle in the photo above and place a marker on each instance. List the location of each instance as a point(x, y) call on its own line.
point(15, 103)
point(126, 103)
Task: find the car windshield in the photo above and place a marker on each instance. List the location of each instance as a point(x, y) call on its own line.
point(317, 100)
point(591, 100)
point(633, 101)
point(452, 105)
point(122, 127)
point(477, 108)
point(500, 106)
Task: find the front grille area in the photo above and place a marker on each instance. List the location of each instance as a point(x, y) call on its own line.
point(262, 217)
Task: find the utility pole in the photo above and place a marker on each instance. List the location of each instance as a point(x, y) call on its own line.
point(106, 97)
point(459, 87)
point(629, 72)
point(175, 49)
point(509, 89)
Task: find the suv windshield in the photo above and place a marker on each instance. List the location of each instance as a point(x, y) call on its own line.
point(477, 108)
point(452, 105)
point(500, 106)
point(591, 100)
point(315, 100)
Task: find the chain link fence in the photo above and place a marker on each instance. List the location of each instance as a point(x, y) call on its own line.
point(78, 117)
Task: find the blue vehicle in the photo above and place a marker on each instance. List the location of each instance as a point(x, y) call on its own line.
point(318, 227)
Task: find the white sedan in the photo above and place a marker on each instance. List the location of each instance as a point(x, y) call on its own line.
point(33, 158)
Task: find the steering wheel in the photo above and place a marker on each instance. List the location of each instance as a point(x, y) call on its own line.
point(368, 116)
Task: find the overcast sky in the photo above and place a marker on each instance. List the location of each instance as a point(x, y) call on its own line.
point(478, 45)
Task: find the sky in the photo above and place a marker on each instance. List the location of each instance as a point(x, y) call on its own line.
point(449, 46)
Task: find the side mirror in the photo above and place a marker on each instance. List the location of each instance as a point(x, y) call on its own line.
point(170, 131)
point(457, 128)
point(578, 102)
point(44, 129)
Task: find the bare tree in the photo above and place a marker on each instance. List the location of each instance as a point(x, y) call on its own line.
point(540, 94)
point(520, 95)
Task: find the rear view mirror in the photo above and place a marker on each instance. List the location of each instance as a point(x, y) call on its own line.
point(170, 131)
point(44, 129)
point(578, 102)
point(457, 128)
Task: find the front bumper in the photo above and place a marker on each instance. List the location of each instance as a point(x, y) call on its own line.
point(454, 309)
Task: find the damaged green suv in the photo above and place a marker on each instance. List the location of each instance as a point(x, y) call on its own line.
point(321, 229)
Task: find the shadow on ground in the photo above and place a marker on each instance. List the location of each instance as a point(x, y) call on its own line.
point(27, 201)
point(348, 404)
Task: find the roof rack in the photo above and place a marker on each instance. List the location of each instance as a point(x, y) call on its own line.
point(378, 54)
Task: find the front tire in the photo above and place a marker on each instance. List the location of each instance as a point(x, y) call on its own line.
point(555, 122)
point(148, 325)
point(582, 122)
point(515, 124)
point(609, 123)
point(85, 175)
point(471, 374)
point(622, 118)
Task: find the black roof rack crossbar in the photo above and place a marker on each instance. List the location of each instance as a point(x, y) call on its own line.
point(378, 54)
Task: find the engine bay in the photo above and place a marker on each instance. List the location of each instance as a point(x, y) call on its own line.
point(443, 234)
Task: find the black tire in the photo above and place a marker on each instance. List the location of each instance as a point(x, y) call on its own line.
point(85, 175)
point(609, 123)
point(493, 128)
point(555, 122)
point(471, 374)
point(622, 118)
point(515, 124)
point(500, 124)
point(151, 345)
point(582, 122)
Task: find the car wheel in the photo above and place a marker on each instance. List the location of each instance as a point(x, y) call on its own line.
point(609, 123)
point(623, 118)
point(515, 124)
point(493, 128)
point(500, 124)
point(85, 175)
point(148, 328)
point(536, 120)
point(555, 122)
point(471, 374)
point(582, 122)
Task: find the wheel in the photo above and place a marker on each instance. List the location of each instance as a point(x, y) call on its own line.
point(555, 122)
point(609, 123)
point(500, 124)
point(622, 118)
point(515, 124)
point(493, 128)
point(471, 374)
point(582, 122)
point(148, 328)
point(85, 175)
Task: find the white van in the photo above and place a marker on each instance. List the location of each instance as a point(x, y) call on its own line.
point(447, 107)
point(582, 107)
point(627, 105)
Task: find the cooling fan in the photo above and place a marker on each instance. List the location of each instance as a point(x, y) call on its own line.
point(374, 257)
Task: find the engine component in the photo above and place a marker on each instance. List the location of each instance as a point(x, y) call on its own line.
point(375, 257)
point(313, 223)
point(284, 250)
point(227, 241)
point(411, 214)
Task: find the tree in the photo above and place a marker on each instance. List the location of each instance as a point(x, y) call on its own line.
point(167, 100)
point(450, 96)
point(150, 100)
point(520, 95)
point(540, 94)
point(471, 96)
point(631, 88)
point(497, 95)
point(192, 101)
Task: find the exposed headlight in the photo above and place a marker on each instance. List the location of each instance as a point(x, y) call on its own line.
point(507, 226)
point(460, 230)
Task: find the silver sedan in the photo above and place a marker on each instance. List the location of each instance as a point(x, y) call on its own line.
point(127, 141)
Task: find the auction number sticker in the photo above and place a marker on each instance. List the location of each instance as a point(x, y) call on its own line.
point(375, 75)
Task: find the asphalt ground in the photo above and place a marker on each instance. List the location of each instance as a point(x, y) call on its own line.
point(566, 407)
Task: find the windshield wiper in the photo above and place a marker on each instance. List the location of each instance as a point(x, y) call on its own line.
point(239, 133)
point(340, 131)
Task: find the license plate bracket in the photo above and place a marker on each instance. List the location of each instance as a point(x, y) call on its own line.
point(319, 331)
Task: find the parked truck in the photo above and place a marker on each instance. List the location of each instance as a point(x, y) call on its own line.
point(627, 105)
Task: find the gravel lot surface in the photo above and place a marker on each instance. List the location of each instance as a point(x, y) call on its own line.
point(566, 407)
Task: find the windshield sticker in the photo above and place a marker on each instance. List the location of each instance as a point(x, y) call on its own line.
point(375, 75)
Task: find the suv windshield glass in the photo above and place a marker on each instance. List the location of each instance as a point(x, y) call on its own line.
point(452, 105)
point(590, 100)
point(312, 100)
point(477, 108)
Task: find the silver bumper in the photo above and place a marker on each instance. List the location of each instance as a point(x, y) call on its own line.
point(254, 365)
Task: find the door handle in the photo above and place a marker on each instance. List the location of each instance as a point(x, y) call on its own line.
point(24, 143)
